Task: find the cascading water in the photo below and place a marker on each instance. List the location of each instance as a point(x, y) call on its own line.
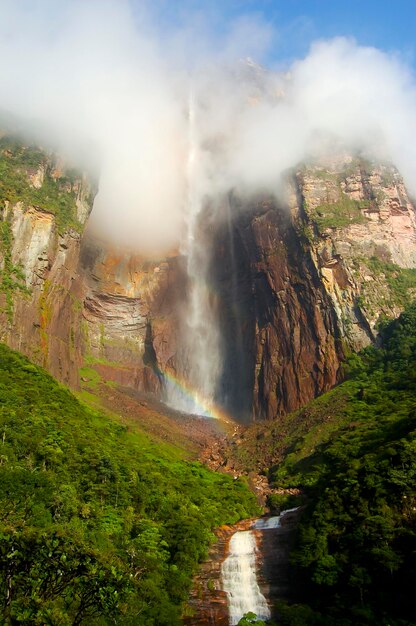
point(200, 340)
point(239, 579)
point(238, 572)
point(269, 523)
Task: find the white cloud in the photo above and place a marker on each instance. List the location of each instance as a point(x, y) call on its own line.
point(98, 74)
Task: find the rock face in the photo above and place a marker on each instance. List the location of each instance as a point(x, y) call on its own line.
point(42, 213)
point(46, 320)
point(311, 278)
point(297, 283)
point(360, 225)
point(130, 312)
point(275, 573)
point(290, 345)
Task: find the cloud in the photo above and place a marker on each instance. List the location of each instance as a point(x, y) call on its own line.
point(340, 94)
point(111, 85)
point(95, 78)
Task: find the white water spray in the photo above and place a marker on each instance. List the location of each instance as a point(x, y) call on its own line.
point(239, 579)
point(201, 340)
point(238, 572)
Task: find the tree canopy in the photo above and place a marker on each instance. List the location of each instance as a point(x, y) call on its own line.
point(98, 524)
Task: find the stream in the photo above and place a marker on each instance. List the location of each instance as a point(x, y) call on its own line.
point(239, 572)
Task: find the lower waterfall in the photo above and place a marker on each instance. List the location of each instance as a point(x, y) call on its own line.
point(268, 523)
point(239, 579)
point(238, 571)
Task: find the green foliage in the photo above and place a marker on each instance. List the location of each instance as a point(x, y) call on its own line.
point(401, 281)
point(298, 615)
point(58, 578)
point(306, 232)
point(98, 524)
point(56, 195)
point(339, 214)
point(251, 618)
point(278, 502)
point(356, 553)
point(11, 276)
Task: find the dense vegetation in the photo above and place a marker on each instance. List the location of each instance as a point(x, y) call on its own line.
point(56, 195)
point(98, 524)
point(401, 281)
point(339, 214)
point(356, 554)
point(11, 275)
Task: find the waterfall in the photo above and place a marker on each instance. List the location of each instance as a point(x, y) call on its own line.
point(238, 572)
point(240, 581)
point(201, 339)
point(269, 523)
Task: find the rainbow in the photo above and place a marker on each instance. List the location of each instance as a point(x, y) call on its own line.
point(202, 406)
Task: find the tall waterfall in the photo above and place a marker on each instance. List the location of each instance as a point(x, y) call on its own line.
point(239, 579)
point(200, 340)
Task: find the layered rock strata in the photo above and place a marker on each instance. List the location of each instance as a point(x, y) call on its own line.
point(131, 313)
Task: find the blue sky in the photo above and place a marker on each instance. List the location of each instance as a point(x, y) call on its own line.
point(386, 24)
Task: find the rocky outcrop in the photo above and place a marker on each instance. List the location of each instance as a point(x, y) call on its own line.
point(360, 226)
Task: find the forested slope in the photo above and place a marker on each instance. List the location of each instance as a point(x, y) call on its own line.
point(98, 524)
point(356, 554)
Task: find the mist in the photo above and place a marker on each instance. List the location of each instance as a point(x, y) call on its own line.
point(110, 88)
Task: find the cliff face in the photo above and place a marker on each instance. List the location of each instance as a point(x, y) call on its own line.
point(130, 315)
point(43, 210)
point(67, 300)
point(278, 309)
point(360, 226)
point(297, 283)
point(311, 277)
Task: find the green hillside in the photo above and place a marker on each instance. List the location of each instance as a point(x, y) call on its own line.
point(353, 454)
point(98, 523)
